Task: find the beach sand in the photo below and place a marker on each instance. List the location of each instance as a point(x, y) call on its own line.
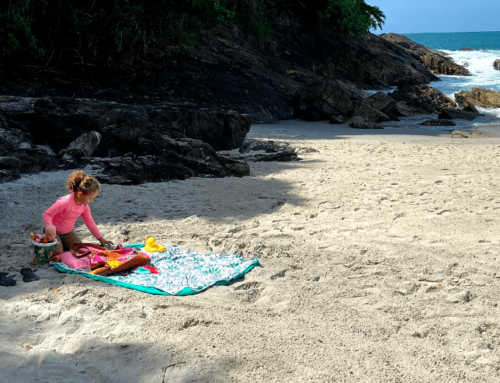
point(379, 253)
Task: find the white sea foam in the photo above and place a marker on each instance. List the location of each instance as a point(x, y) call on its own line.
point(480, 64)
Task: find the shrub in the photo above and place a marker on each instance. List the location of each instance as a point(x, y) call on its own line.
point(104, 32)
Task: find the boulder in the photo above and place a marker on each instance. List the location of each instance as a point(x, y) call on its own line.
point(430, 58)
point(483, 98)
point(377, 101)
point(422, 98)
point(496, 64)
point(448, 114)
point(358, 122)
point(438, 123)
point(83, 146)
point(398, 109)
point(370, 114)
point(319, 100)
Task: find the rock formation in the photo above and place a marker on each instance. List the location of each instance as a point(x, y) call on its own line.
point(431, 59)
point(496, 64)
point(168, 119)
point(422, 98)
point(449, 114)
point(484, 98)
point(130, 144)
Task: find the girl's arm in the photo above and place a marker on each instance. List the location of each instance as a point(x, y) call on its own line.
point(52, 211)
point(89, 222)
point(48, 217)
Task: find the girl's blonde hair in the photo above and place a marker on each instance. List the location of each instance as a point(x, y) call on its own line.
point(85, 183)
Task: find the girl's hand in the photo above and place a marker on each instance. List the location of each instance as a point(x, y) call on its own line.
point(104, 242)
point(50, 232)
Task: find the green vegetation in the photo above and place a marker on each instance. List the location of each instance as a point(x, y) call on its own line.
point(99, 32)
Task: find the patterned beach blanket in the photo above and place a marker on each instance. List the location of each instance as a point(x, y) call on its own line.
point(180, 272)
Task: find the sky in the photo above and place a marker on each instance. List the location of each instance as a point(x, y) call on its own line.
point(420, 16)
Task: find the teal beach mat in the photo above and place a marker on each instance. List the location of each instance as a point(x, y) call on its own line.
point(180, 272)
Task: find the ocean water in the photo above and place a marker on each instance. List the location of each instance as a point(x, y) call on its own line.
point(479, 61)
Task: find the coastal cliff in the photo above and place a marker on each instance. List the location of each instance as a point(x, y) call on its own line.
point(227, 83)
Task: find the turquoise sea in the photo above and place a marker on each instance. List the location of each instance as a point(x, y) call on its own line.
point(485, 50)
point(458, 40)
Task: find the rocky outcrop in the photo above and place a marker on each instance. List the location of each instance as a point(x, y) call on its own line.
point(449, 114)
point(287, 76)
point(438, 123)
point(483, 98)
point(371, 114)
point(422, 98)
point(130, 144)
point(496, 64)
point(377, 101)
point(322, 99)
point(64, 120)
point(431, 59)
point(395, 110)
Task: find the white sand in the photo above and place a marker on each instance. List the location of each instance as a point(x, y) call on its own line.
point(380, 264)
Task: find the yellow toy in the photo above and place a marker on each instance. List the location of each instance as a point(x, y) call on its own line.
point(152, 246)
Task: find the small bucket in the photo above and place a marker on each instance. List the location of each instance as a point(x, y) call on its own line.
point(43, 252)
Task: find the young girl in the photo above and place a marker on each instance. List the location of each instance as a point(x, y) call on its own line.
point(60, 218)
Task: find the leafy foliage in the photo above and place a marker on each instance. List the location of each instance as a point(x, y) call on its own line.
point(99, 32)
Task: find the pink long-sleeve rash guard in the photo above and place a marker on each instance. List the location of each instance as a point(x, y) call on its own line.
point(63, 215)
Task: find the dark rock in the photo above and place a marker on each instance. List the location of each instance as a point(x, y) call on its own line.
point(233, 73)
point(377, 101)
point(17, 108)
point(466, 49)
point(438, 123)
point(430, 58)
point(149, 168)
point(423, 98)
point(113, 180)
point(370, 114)
point(35, 160)
point(321, 99)
point(483, 98)
point(470, 108)
point(13, 137)
point(64, 120)
point(398, 109)
point(496, 64)
point(357, 122)
point(338, 119)
point(239, 169)
point(83, 146)
point(9, 163)
point(448, 114)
